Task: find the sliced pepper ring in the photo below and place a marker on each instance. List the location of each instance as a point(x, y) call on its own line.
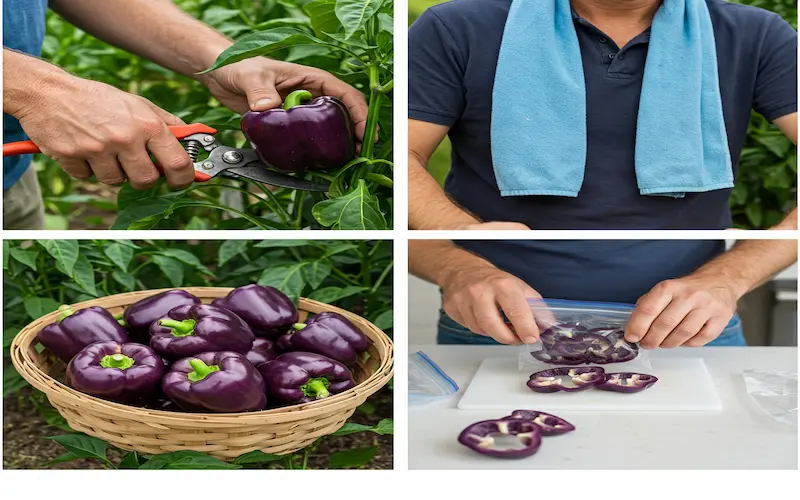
point(555, 359)
point(551, 425)
point(626, 382)
point(550, 380)
point(480, 437)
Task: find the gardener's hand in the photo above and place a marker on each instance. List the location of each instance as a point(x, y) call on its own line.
point(690, 311)
point(475, 295)
point(259, 84)
point(91, 128)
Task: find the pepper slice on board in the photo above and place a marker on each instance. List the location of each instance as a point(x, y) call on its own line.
point(480, 437)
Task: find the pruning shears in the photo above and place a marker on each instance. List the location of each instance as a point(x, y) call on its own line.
point(222, 160)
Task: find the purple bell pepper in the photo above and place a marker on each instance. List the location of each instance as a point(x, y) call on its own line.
point(263, 350)
point(302, 377)
point(221, 382)
point(555, 359)
point(140, 315)
point(619, 350)
point(315, 135)
point(479, 437)
point(583, 377)
point(269, 312)
point(74, 330)
point(327, 333)
point(551, 425)
point(122, 372)
point(191, 329)
point(626, 382)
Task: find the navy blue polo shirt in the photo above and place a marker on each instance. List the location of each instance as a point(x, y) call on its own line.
point(453, 50)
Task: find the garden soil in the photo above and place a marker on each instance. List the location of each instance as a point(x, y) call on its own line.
point(24, 446)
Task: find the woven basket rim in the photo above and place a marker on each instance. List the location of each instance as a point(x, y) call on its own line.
point(28, 369)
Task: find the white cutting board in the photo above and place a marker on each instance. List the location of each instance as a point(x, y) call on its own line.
point(684, 384)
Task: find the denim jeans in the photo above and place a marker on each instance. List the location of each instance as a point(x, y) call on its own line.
point(451, 332)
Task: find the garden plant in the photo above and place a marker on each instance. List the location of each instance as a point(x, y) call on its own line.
point(352, 39)
point(41, 275)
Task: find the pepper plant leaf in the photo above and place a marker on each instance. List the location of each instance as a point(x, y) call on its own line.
point(385, 426)
point(354, 14)
point(315, 272)
point(331, 294)
point(64, 457)
point(230, 249)
point(119, 254)
point(83, 274)
point(351, 428)
point(83, 446)
point(322, 15)
point(172, 269)
point(286, 278)
point(36, 307)
point(5, 254)
point(64, 251)
point(130, 461)
point(27, 257)
point(352, 459)
point(186, 459)
point(256, 457)
point(357, 210)
point(385, 320)
point(12, 380)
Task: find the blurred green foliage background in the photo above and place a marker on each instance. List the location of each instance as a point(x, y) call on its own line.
point(766, 186)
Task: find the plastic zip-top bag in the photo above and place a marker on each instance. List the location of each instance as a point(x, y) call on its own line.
point(577, 333)
point(426, 381)
point(774, 393)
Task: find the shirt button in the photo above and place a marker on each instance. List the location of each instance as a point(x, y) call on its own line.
point(603, 40)
point(611, 55)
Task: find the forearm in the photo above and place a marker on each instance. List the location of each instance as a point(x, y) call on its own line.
point(749, 264)
point(154, 29)
point(435, 260)
point(24, 78)
point(428, 206)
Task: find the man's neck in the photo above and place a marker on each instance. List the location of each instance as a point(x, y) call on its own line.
point(622, 20)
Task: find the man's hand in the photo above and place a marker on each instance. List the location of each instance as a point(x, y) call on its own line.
point(475, 296)
point(91, 128)
point(259, 84)
point(690, 311)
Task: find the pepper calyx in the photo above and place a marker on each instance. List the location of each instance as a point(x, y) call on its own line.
point(118, 360)
point(65, 310)
point(299, 326)
point(316, 388)
point(182, 328)
point(296, 98)
point(201, 370)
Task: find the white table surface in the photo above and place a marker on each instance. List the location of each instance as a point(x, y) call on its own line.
point(739, 437)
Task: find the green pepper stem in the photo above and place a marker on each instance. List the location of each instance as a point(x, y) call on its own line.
point(117, 360)
point(299, 326)
point(179, 328)
point(297, 97)
point(119, 319)
point(201, 370)
point(65, 310)
point(316, 388)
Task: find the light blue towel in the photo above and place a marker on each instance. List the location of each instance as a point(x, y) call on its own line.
point(539, 104)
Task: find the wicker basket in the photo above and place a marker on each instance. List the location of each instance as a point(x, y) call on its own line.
point(225, 436)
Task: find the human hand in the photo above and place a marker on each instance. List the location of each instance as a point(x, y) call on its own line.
point(477, 296)
point(259, 84)
point(91, 128)
point(690, 311)
point(494, 226)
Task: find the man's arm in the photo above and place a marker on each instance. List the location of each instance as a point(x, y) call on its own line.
point(428, 205)
point(474, 291)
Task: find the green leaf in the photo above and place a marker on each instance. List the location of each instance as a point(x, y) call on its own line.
point(256, 457)
point(53, 418)
point(385, 426)
point(187, 258)
point(124, 279)
point(230, 249)
point(83, 446)
point(366, 408)
point(27, 257)
point(262, 43)
point(754, 213)
point(352, 459)
point(386, 23)
point(281, 243)
point(172, 269)
point(351, 428)
point(36, 307)
point(8, 336)
point(380, 179)
point(287, 278)
point(353, 14)
point(83, 274)
point(130, 461)
point(121, 255)
point(385, 320)
point(315, 272)
point(12, 380)
point(187, 459)
point(339, 248)
point(6, 253)
point(357, 210)
point(64, 251)
point(214, 16)
point(331, 294)
point(322, 15)
point(777, 143)
point(64, 457)
point(127, 196)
